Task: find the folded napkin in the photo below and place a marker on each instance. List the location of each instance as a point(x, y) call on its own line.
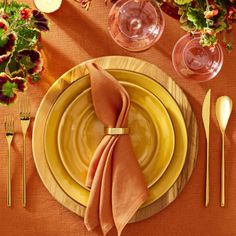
point(117, 184)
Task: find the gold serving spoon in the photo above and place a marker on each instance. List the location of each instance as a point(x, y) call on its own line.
point(223, 108)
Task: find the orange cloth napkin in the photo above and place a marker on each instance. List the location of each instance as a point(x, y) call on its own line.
point(117, 184)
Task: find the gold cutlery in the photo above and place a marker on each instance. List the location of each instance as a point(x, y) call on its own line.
point(25, 121)
point(223, 108)
point(206, 121)
point(9, 128)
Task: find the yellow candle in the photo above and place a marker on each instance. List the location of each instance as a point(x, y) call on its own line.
point(48, 6)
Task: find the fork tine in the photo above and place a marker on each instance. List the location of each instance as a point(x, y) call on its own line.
point(9, 123)
point(12, 124)
point(24, 106)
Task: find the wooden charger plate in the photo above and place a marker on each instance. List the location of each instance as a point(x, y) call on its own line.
point(123, 63)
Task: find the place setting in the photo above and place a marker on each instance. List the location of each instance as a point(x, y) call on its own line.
point(115, 139)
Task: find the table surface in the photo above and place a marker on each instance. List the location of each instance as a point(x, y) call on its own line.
point(75, 36)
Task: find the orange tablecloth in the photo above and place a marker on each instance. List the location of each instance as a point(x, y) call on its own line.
point(75, 36)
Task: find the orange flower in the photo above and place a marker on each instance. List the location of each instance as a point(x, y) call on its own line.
point(210, 14)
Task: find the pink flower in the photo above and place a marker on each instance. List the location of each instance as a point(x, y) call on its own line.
point(25, 13)
point(232, 13)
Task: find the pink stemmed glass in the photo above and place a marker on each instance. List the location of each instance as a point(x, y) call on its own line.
point(195, 62)
point(135, 24)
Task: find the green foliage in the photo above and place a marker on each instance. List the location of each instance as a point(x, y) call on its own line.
point(182, 2)
point(27, 38)
point(2, 33)
point(26, 61)
point(35, 78)
point(3, 66)
point(3, 41)
point(208, 40)
point(207, 17)
point(13, 10)
point(8, 89)
point(20, 32)
point(196, 16)
point(13, 65)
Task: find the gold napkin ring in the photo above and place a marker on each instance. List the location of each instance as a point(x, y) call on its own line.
point(116, 131)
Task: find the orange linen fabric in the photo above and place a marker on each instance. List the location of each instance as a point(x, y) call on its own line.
point(77, 35)
point(117, 184)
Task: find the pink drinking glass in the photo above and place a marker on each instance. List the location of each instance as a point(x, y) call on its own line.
point(135, 24)
point(195, 62)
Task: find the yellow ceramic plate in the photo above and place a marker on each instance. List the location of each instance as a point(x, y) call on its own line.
point(80, 194)
point(80, 132)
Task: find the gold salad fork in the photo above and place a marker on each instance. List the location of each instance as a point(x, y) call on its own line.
point(25, 121)
point(9, 128)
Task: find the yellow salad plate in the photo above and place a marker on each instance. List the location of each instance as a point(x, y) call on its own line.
point(80, 132)
point(77, 191)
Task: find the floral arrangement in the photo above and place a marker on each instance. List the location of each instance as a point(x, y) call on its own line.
point(209, 17)
point(20, 58)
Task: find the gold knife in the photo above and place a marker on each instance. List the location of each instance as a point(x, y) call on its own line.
point(206, 108)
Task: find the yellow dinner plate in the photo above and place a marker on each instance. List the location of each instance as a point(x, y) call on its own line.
point(68, 184)
point(80, 132)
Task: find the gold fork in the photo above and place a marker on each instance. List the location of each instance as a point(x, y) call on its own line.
point(25, 121)
point(9, 128)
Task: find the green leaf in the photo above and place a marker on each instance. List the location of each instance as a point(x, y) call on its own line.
point(8, 89)
point(182, 2)
point(188, 26)
point(3, 66)
point(26, 61)
point(18, 73)
point(13, 65)
point(35, 78)
point(27, 38)
point(229, 47)
point(183, 18)
point(3, 41)
point(208, 40)
point(221, 27)
point(210, 23)
point(2, 32)
point(196, 16)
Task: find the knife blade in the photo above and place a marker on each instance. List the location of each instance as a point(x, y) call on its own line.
point(206, 109)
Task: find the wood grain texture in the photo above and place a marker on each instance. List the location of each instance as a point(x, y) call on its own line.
point(125, 63)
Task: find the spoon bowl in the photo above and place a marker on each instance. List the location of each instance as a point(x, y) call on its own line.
point(223, 108)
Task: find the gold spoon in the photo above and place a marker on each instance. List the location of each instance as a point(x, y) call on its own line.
point(223, 108)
